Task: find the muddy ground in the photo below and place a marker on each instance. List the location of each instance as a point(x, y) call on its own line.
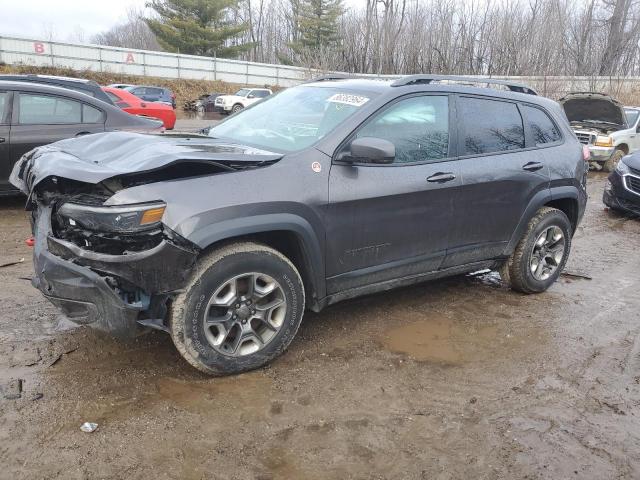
point(453, 379)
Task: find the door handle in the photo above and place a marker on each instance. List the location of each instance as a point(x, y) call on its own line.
point(441, 177)
point(532, 166)
point(2, 140)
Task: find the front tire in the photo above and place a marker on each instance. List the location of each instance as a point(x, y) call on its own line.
point(241, 309)
point(236, 108)
point(541, 254)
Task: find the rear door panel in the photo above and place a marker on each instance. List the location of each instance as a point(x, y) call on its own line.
point(496, 186)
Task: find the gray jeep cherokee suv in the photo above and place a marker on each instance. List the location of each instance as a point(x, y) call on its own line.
point(323, 192)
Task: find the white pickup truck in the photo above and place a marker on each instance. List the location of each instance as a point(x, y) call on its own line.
point(610, 130)
point(241, 99)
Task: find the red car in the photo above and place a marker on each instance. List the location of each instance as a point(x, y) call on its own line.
point(131, 104)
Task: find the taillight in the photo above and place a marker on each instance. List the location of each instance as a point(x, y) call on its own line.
point(586, 153)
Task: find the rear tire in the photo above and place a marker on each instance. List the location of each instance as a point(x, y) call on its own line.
point(611, 164)
point(541, 254)
point(241, 309)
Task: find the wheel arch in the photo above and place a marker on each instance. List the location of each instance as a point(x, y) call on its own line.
point(624, 147)
point(563, 198)
point(291, 235)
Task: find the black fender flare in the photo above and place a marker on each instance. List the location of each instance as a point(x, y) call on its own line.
point(300, 227)
point(539, 200)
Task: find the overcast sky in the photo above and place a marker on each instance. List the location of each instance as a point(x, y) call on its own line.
point(68, 20)
point(36, 18)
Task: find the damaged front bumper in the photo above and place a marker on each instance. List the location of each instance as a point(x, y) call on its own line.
point(113, 293)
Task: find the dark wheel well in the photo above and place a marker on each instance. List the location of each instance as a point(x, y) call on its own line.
point(624, 147)
point(570, 208)
point(288, 244)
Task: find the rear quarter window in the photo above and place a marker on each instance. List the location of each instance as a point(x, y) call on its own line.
point(543, 130)
point(489, 126)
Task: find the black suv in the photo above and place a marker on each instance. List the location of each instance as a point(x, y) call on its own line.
point(323, 192)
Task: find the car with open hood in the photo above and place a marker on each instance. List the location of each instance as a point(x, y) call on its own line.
point(325, 191)
point(602, 123)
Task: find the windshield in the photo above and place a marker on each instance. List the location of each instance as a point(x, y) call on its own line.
point(632, 116)
point(293, 119)
point(242, 92)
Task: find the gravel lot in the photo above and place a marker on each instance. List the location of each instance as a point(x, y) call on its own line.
point(458, 378)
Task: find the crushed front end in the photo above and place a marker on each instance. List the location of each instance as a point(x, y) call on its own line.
point(113, 268)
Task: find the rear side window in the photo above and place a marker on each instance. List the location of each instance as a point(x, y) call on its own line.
point(153, 91)
point(542, 127)
point(489, 126)
point(44, 110)
point(260, 93)
point(91, 114)
point(3, 105)
point(417, 126)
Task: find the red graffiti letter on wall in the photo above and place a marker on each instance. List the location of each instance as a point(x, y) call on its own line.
point(38, 47)
point(130, 58)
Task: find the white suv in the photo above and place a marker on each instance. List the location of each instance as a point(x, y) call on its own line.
point(241, 99)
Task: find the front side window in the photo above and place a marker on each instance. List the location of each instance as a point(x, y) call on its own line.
point(489, 126)
point(243, 92)
point(293, 119)
point(45, 110)
point(632, 116)
point(542, 127)
point(417, 126)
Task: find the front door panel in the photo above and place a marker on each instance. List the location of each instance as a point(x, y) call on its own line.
point(392, 221)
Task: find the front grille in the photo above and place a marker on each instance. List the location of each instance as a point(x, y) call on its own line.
point(633, 184)
point(634, 171)
point(585, 138)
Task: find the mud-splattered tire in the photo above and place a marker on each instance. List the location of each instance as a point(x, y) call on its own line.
point(236, 108)
point(520, 271)
point(213, 306)
point(611, 164)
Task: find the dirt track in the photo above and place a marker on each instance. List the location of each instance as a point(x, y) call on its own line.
point(454, 379)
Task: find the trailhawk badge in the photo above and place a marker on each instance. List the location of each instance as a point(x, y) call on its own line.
point(316, 167)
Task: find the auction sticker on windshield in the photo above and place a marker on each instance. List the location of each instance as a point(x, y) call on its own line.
point(348, 99)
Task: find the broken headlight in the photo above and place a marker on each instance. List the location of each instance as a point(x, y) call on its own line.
point(117, 219)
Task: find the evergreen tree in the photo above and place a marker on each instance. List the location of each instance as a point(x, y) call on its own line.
point(197, 27)
point(317, 23)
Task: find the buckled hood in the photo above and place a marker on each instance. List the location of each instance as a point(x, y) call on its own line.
point(94, 158)
point(589, 107)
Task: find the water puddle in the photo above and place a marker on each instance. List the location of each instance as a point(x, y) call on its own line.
point(439, 339)
point(249, 393)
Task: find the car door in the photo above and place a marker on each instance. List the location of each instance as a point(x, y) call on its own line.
point(5, 145)
point(501, 169)
point(391, 221)
point(39, 119)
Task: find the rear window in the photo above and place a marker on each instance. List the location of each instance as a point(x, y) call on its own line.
point(3, 104)
point(91, 114)
point(45, 109)
point(489, 126)
point(542, 127)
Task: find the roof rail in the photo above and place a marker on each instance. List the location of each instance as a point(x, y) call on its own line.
point(426, 79)
point(330, 76)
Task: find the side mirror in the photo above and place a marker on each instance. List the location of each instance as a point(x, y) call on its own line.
point(251, 95)
point(372, 150)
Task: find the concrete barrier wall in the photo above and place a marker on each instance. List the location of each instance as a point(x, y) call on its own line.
point(170, 65)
